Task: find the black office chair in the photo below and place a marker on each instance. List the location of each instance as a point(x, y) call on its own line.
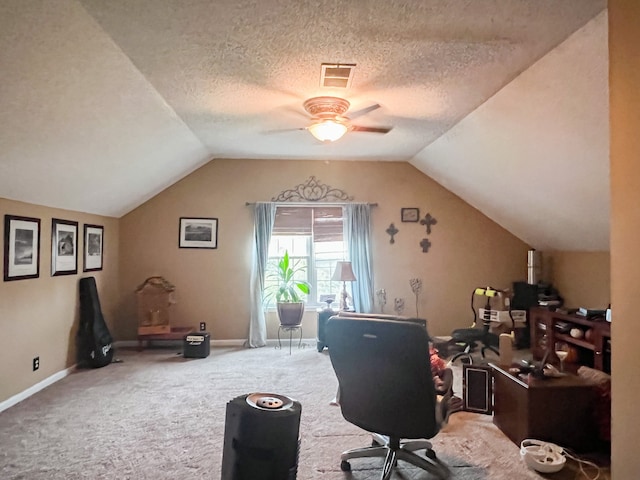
point(469, 338)
point(386, 387)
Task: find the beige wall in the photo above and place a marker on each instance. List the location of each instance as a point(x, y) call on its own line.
point(468, 249)
point(624, 38)
point(39, 317)
point(582, 278)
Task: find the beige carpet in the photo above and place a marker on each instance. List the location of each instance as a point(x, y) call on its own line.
point(158, 416)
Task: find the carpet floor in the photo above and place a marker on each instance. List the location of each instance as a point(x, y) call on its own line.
point(157, 415)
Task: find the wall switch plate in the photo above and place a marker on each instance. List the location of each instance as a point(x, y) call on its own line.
point(36, 363)
point(203, 326)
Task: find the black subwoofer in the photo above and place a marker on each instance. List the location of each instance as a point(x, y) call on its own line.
point(196, 345)
point(261, 439)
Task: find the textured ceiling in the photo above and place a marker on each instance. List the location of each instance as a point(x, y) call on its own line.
point(104, 104)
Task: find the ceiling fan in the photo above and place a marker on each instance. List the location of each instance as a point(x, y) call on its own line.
point(328, 120)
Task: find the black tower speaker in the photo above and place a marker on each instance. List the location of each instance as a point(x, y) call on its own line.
point(261, 438)
point(525, 296)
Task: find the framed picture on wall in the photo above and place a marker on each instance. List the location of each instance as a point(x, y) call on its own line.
point(410, 214)
point(93, 247)
point(21, 247)
point(64, 247)
point(198, 232)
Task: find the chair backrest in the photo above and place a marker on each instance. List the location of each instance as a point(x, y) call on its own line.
point(381, 316)
point(384, 374)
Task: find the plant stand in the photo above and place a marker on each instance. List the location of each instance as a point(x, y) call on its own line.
point(290, 329)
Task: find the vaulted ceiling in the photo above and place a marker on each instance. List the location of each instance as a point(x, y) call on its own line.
point(504, 102)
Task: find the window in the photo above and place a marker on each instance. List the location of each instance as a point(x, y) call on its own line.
point(313, 236)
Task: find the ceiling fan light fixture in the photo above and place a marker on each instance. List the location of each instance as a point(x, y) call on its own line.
point(328, 130)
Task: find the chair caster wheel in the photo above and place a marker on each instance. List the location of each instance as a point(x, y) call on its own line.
point(345, 466)
point(429, 453)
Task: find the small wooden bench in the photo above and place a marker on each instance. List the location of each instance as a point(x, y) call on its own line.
point(176, 333)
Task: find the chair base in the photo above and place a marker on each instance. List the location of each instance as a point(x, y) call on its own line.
point(392, 449)
point(466, 354)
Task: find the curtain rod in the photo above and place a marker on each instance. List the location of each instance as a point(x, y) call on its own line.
point(310, 204)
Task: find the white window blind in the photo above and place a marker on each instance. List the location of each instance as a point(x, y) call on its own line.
point(324, 224)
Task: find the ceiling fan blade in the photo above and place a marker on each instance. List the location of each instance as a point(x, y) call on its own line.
point(282, 130)
point(363, 111)
point(355, 128)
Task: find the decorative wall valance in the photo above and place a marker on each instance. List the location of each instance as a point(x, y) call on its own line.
point(312, 191)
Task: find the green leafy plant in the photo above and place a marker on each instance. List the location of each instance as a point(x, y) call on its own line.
point(288, 288)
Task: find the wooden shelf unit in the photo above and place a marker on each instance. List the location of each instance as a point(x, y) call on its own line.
point(594, 352)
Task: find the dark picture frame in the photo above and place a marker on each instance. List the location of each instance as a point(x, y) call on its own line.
point(410, 214)
point(198, 232)
point(477, 392)
point(21, 247)
point(64, 247)
point(93, 247)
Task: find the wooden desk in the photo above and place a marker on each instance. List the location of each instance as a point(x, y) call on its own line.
point(177, 333)
point(557, 410)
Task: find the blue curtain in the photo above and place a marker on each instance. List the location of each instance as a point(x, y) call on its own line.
point(357, 226)
point(264, 217)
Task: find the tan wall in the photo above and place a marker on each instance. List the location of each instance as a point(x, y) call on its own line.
point(582, 278)
point(39, 317)
point(624, 38)
point(468, 249)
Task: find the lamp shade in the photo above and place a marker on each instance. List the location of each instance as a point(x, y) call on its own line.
point(343, 272)
point(328, 130)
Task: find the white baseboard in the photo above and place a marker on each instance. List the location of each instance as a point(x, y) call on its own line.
point(178, 343)
point(11, 401)
point(237, 342)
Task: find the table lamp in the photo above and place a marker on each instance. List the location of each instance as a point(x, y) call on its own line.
point(343, 273)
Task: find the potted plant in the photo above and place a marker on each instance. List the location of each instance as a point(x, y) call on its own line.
point(287, 291)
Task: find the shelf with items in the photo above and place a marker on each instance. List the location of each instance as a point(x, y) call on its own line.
point(575, 341)
point(592, 342)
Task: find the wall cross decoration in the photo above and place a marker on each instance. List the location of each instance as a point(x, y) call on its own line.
point(392, 230)
point(428, 220)
point(425, 244)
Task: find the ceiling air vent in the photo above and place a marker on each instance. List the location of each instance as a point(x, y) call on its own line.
point(337, 75)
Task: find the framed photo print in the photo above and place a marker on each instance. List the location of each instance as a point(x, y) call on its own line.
point(410, 214)
point(93, 247)
point(21, 247)
point(198, 232)
point(64, 247)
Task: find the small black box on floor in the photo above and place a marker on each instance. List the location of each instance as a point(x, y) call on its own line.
point(197, 345)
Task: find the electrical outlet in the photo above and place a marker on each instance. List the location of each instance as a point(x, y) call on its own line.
point(36, 363)
point(203, 326)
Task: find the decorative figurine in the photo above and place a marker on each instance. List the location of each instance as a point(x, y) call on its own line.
point(382, 298)
point(416, 288)
point(398, 305)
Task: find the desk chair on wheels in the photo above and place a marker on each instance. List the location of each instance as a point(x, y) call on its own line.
point(469, 338)
point(386, 388)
